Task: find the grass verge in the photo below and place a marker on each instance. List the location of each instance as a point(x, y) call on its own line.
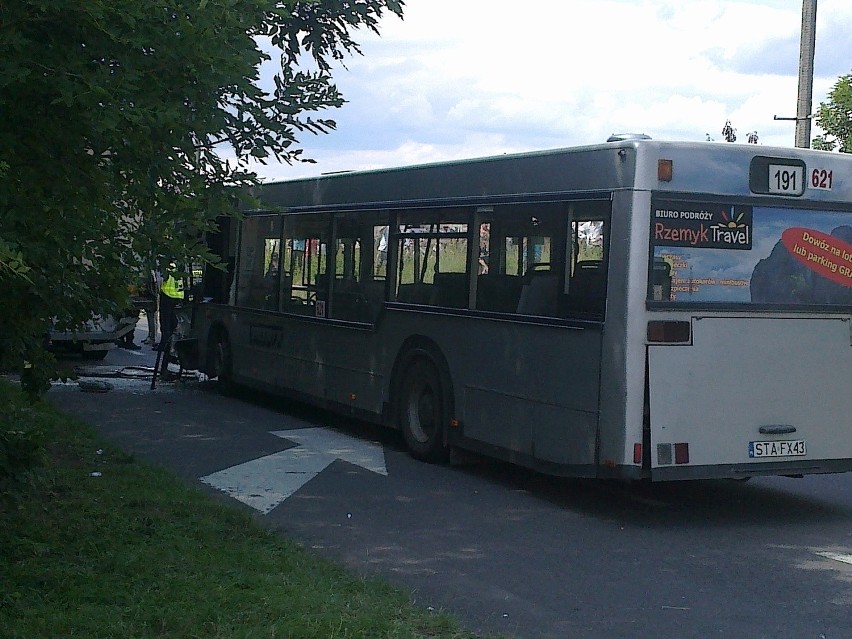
point(107, 546)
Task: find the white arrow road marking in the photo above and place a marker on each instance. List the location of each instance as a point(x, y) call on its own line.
point(266, 482)
point(847, 559)
point(355, 451)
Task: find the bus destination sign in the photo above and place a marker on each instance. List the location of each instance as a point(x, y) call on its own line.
point(777, 176)
point(689, 224)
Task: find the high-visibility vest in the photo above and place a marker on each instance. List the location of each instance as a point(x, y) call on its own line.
point(172, 287)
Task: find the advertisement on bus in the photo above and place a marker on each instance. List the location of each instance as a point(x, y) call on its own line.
point(728, 253)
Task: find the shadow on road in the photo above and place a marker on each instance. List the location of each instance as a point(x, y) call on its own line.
point(685, 504)
point(672, 504)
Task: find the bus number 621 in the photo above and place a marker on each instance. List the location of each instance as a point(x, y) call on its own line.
point(821, 179)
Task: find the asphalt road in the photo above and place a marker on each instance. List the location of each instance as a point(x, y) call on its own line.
point(503, 549)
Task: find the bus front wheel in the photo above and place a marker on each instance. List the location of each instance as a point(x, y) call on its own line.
point(221, 353)
point(423, 411)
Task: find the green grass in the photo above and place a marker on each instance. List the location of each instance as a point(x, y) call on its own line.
point(138, 553)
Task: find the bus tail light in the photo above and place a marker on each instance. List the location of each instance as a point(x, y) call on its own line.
point(637, 453)
point(669, 332)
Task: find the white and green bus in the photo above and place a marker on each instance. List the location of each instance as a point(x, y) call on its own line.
point(636, 309)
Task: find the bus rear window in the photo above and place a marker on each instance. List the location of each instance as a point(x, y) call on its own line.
point(728, 253)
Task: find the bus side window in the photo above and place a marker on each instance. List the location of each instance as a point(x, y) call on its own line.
point(305, 282)
point(259, 262)
point(381, 242)
point(523, 274)
point(348, 301)
point(588, 273)
point(432, 260)
point(355, 290)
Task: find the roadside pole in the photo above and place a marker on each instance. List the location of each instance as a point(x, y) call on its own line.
point(806, 74)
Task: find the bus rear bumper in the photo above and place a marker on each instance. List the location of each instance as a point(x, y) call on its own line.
point(744, 471)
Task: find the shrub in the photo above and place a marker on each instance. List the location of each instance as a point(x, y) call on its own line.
point(22, 441)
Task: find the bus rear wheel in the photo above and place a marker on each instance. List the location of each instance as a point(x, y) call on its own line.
point(423, 411)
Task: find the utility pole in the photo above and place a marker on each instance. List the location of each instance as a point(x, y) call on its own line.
point(804, 104)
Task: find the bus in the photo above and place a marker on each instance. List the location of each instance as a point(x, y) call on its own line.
point(638, 310)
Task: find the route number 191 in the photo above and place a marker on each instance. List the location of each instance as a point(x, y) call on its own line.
point(786, 179)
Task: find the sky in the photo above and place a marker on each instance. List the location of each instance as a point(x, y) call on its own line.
point(461, 79)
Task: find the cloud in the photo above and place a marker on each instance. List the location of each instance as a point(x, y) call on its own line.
point(473, 78)
point(832, 56)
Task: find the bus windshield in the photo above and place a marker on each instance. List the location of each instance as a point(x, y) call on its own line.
point(729, 253)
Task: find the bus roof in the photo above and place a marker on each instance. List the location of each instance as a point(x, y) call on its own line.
point(697, 167)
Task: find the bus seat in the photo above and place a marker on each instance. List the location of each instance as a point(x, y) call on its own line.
point(414, 293)
point(450, 289)
point(321, 285)
point(498, 293)
point(589, 280)
point(587, 289)
point(539, 295)
point(285, 288)
point(255, 294)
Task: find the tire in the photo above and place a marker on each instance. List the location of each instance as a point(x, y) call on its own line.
point(424, 410)
point(94, 356)
point(221, 354)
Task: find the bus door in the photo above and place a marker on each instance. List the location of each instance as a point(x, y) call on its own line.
point(749, 340)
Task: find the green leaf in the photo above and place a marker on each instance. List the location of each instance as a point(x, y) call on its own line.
point(114, 118)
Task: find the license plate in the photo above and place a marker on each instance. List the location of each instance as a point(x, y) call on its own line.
point(792, 448)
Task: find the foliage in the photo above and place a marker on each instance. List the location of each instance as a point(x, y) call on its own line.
point(112, 547)
point(128, 123)
point(23, 432)
point(835, 117)
point(820, 143)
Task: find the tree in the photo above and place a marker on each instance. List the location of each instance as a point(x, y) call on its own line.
point(127, 126)
point(835, 118)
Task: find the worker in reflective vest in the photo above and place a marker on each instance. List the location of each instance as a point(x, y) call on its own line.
point(171, 293)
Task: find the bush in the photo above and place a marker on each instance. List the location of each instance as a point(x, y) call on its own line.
point(22, 441)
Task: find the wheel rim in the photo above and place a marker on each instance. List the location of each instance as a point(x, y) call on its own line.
point(422, 411)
